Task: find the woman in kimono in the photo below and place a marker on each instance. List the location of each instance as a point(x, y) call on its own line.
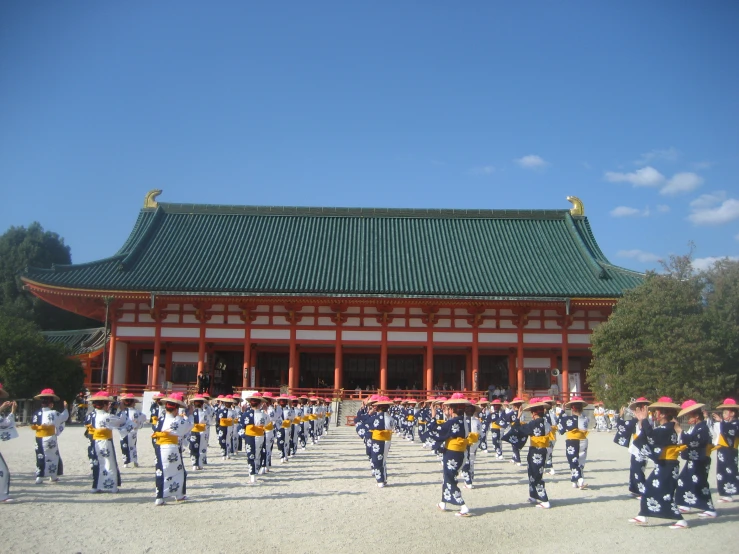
point(513, 434)
point(726, 433)
point(552, 417)
point(575, 428)
point(297, 425)
point(7, 432)
point(484, 416)
point(693, 490)
point(381, 425)
point(437, 420)
point(251, 428)
point(105, 474)
point(496, 422)
point(269, 431)
point(48, 424)
point(424, 415)
point(539, 429)
point(626, 431)
point(129, 439)
point(156, 410)
point(209, 416)
point(327, 421)
point(224, 425)
point(452, 439)
point(283, 422)
point(171, 477)
point(198, 442)
point(662, 445)
point(235, 413)
point(472, 419)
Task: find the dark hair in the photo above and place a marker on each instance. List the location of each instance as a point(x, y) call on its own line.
point(458, 409)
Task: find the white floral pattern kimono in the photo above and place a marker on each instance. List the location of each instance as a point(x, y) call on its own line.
point(48, 424)
point(129, 435)
point(7, 432)
point(171, 477)
point(105, 474)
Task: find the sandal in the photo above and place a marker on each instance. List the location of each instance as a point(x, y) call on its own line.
point(638, 520)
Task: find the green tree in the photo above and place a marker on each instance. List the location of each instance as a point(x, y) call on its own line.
point(664, 339)
point(28, 363)
point(21, 247)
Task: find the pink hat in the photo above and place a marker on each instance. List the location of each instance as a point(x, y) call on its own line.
point(517, 400)
point(383, 401)
point(267, 395)
point(397, 399)
point(101, 396)
point(664, 402)
point(198, 398)
point(689, 406)
point(176, 398)
point(576, 400)
point(496, 402)
point(293, 397)
point(158, 395)
point(46, 393)
point(729, 404)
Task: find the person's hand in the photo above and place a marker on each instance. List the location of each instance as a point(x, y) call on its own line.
point(640, 413)
point(716, 417)
point(65, 404)
point(4, 405)
point(14, 407)
point(677, 428)
point(621, 411)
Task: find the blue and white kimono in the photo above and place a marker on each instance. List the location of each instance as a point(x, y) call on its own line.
point(105, 474)
point(208, 420)
point(296, 428)
point(474, 431)
point(693, 490)
point(513, 434)
point(224, 429)
point(538, 429)
point(197, 439)
point(423, 416)
point(171, 476)
point(283, 424)
point(48, 424)
point(661, 445)
point(727, 458)
point(129, 434)
point(251, 428)
point(575, 428)
point(381, 425)
point(496, 423)
point(7, 432)
point(626, 431)
point(452, 439)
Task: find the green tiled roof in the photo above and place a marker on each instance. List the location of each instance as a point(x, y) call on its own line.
point(243, 250)
point(78, 341)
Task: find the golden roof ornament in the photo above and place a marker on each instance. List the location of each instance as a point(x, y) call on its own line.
point(577, 208)
point(149, 200)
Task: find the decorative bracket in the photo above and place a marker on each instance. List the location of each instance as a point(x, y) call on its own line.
point(201, 312)
point(477, 317)
point(385, 316)
point(578, 210)
point(521, 317)
point(430, 318)
point(293, 313)
point(149, 199)
point(245, 313)
point(339, 316)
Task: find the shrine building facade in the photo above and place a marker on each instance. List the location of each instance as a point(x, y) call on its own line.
point(340, 298)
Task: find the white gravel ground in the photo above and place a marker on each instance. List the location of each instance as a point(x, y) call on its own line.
point(325, 500)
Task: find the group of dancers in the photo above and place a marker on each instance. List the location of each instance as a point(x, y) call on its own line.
point(455, 429)
point(179, 427)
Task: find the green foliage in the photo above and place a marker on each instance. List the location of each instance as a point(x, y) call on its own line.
point(21, 247)
point(675, 335)
point(28, 363)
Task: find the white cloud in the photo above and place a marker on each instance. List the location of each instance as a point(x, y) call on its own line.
point(662, 208)
point(682, 182)
point(531, 161)
point(624, 211)
point(727, 211)
point(702, 264)
point(670, 154)
point(483, 170)
point(702, 165)
point(708, 200)
point(639, 255)
point(644, 177)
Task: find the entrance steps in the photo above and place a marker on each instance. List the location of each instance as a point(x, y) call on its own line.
point(348, 408)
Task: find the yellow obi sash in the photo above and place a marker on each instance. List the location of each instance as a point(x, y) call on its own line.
point(163, 438)
point(226, 422)
point(304, 418)
point(89, 428)
point(577, 434)
point(269, 427)
point(472, 438)
point(296, 421)
point(328, 414)
point(410, 418)
point(440, 422)
point(382, 435)
point(495, 426)
point(102, 434)
point(672, 452)
point(721, 442)
point(422, 422)
point(154, 420)
point(540, 442)
point(43, 431)
point(286, 423)
point(457, 445)
point(254, 430)
point(312, 417)
point(82, 405)
point(198, 428)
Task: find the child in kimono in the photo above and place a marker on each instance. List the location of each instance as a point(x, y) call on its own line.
point(7, 432)
point(48, 424)
point(171, 477)
point(105, 474)
point(512, 434)
point(539, 429)
point(662, 446)
point(198, 442)
point(251, 428)
point(497, 423)
point(472, 419)
point(129, 438)
point(224, 426)
point(626, 431)
point(693, 490)
point(726, 433)
point(452, 439)
point(283, 424)
point(381, 426)
point(575, 428)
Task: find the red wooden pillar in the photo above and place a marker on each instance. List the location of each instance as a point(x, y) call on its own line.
point(245, 377)
point(512, 380)
point(201, 350)
point(565, 365)
point(475, 360)
point(293, 377)
point(430, 360)
point(111, 354)
point(383, 360)
point(157, 350)
point(338, 360)
point(519, 362)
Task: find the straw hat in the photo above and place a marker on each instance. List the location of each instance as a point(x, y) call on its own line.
point(440, 400)
point(129, 396)
point(198, 398)
point(283, 397)
point(482, 401)
point(176, 398)
point(664, 402)
point(641, 401)
point(689, 406)
point(206, 396)
point(538, 404)
point(226, 399)
point(517, 400)
point(268, 396)
point(729, 404)
point(3, 394)
point(496, 402)
point(383, 401)
point(100, 396)
point(576, 400)
point(548, 399)
point(457, 399)
point(46, 393)
point(255, 396)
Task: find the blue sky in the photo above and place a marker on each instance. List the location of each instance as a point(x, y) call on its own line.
point(631, 106)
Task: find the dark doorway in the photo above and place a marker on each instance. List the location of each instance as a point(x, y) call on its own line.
point(272, 369)
point(316, 370)
point(361, 371)
point(492, 370)
point(448, 372)
point(405, 372)
point(227, 371)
